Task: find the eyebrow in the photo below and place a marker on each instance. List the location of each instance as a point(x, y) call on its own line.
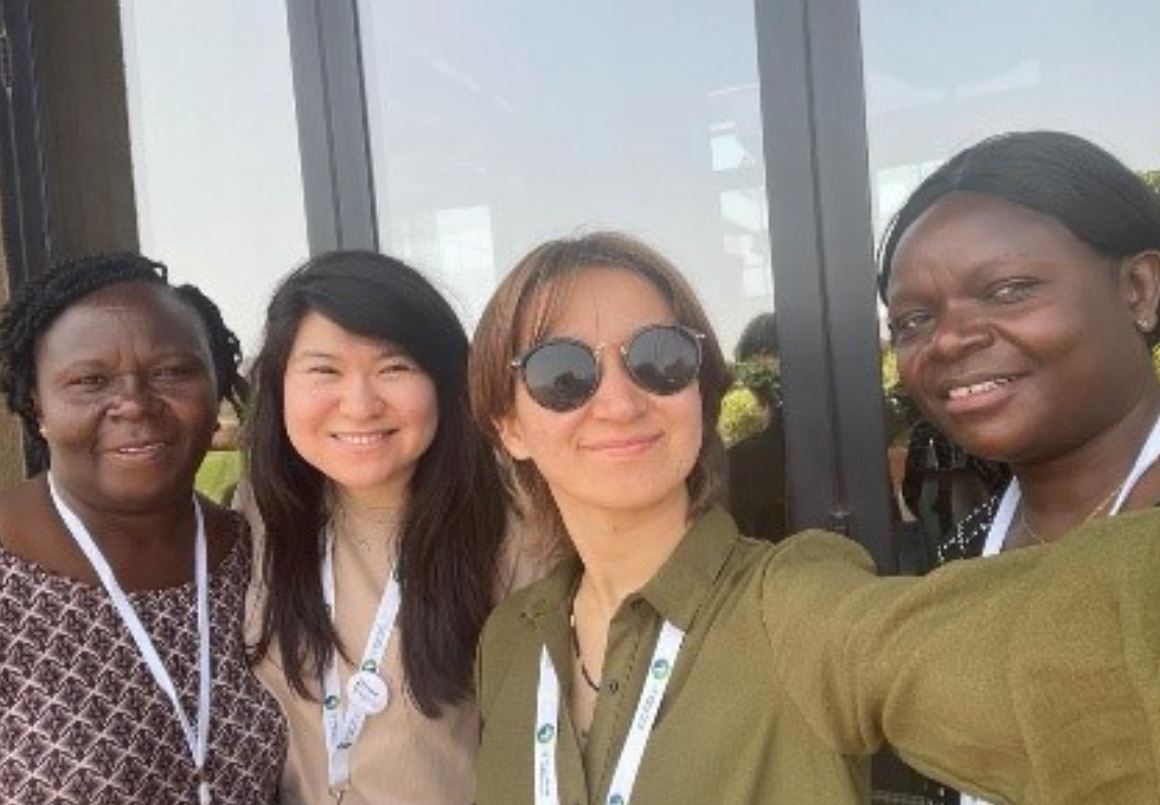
point(387, 351)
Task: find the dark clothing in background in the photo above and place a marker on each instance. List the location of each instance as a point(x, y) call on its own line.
point(757, 496)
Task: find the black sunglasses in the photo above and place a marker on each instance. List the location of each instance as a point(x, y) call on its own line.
point(562, 374)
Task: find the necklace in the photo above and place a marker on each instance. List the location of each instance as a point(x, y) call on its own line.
point(576, 649)
point(1025, 521)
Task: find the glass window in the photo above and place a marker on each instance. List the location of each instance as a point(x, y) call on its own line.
point(497, 125)
point(215, 148)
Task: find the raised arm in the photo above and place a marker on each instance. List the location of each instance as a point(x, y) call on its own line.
point(1028, 678)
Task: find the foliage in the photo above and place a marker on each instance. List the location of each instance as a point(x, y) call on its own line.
point(218, 474)
point(1152, 179)
point(742, 414)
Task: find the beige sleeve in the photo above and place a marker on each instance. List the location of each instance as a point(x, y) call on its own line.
point(1021, 678)
point(524, 558)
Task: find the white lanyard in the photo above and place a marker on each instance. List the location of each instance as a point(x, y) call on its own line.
point(366, 690)
point(197, 740)
point(1009, 504)
point(660, 670)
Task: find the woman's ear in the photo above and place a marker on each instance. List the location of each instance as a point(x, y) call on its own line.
point(511, 433)
point(1140, 284)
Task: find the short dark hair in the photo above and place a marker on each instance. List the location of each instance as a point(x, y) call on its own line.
point(1059, 175)
point(758, 338)
point(455, 518)
point(41, 300)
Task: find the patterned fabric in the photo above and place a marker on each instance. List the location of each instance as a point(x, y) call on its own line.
point(969, 536)
point(82, 720)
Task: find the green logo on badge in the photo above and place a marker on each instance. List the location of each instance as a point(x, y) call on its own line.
point(616, 799)
point(660, 669)
point(545, 733)
point(370, 665)
point(331, 702)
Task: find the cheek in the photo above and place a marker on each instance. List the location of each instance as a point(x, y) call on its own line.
point(304, 410)
point(422, 406)
point(687, 425)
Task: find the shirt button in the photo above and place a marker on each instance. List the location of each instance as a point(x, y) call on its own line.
point(613, 686)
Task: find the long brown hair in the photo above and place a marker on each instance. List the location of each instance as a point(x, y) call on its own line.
point(523, 309)
point(453, 525)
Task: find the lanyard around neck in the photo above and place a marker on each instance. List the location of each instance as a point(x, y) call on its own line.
point(1009, 504)
point(660, 669)
point(366, 691)
point(197, 739)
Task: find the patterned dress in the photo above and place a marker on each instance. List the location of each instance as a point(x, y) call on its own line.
point(81, 718)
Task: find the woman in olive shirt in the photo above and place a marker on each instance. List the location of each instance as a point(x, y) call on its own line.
point(662, 662)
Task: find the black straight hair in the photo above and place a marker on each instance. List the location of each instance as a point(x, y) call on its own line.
point(1059, 175)
point(455, 516)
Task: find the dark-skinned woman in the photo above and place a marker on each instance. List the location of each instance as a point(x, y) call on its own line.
point(123, 674)
point(1022, 279)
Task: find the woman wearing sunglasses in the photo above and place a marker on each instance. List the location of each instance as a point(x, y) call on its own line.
point(670, 660)
point(384, 521)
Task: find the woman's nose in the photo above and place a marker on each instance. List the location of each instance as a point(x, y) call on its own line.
point(131, 396)
point(360, 397)
point(618, 396)
point(959, 329)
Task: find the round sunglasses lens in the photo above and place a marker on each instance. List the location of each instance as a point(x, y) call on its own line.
point(663, 360)
point(560, 375)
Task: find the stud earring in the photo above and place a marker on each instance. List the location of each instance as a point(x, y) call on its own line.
point(1145, 325)
point(43, 432)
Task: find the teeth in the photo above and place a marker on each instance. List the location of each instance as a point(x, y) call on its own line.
point(136, 450)
point(958, 392)
point(359, 439)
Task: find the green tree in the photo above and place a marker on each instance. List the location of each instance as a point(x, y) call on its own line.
point(1152, 178)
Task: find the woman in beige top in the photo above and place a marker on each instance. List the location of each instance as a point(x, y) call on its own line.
point(384, 524)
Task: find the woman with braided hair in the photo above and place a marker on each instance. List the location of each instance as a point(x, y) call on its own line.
point(123, 673)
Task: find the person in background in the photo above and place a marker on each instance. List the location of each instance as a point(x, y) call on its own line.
point(672, 660)
point(388, 533)
point(123, 670)
point(1022, 280)
point(757, 481)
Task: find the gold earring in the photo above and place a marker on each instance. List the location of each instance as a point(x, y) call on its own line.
point(43, 432)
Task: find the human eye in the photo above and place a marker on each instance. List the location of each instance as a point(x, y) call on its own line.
point(1010, 291)
point(908, 325)
point(88, 381)
point(320, 370)
point(175, 371)
point(397, 365)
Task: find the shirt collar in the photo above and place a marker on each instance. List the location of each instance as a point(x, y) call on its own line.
point(677, 590)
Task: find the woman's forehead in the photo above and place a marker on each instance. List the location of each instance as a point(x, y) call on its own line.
point(590, 301)
point(126, 311)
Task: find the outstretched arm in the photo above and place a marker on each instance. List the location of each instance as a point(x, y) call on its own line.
point(1028, 678)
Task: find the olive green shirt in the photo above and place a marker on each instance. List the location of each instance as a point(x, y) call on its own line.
point(724, 733)
point(1027, 678)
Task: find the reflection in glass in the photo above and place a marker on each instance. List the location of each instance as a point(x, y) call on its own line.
point(215, 148)
point(495, 126)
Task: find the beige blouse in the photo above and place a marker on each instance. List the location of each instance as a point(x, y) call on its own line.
point(401, 756)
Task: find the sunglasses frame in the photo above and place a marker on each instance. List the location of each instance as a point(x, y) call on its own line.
point(520, 362)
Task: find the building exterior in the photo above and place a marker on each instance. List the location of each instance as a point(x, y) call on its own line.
point(762, 144)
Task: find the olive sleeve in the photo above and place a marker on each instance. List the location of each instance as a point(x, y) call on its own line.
point(1025, 678)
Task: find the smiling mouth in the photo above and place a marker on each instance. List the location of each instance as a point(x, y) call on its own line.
point(364, 438)
point(963, 392)
point(140, 449)
point(633, 444)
